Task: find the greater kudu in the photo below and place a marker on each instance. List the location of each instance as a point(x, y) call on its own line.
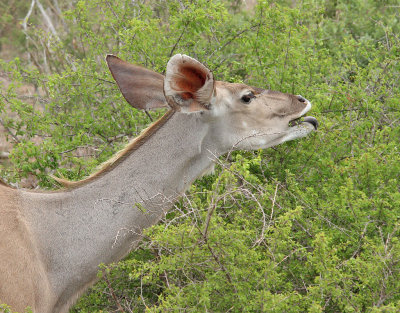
point(51, 243)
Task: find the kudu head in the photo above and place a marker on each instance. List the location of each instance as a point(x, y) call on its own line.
point(239, 116)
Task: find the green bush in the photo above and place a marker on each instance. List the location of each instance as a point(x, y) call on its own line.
point(308, 226)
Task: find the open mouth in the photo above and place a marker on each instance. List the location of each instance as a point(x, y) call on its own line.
point(308, 119)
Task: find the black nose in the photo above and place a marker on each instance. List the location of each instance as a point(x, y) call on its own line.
point(312, 120)
point(301, 99)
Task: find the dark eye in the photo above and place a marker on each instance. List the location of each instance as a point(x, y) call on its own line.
point(247, 97)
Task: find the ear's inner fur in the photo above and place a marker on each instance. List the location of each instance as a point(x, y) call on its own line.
point(189, 85)
point(191, 80)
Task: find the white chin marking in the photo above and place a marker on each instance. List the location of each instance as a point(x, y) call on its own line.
point(298, 131)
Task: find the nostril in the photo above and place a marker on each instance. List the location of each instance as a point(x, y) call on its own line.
point(301, 99)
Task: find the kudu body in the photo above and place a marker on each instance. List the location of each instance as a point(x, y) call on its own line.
point(51, 243)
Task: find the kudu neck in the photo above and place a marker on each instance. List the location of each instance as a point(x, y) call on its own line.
point(99, 222)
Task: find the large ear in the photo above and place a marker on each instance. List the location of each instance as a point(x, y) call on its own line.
point(142, 88)
point(189, 86)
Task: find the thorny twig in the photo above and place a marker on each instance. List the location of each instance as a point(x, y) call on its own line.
point(179, 39)
point(9, 131)
point(261, 238)
point(114, 296)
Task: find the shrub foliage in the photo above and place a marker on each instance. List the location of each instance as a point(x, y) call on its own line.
point(308, 226)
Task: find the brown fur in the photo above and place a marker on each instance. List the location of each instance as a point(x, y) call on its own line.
point(17, 243)
point(52, 243)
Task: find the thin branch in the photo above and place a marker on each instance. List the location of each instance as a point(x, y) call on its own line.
point(209, 215)
point(8, 131)
point(25, 21)
point(179, 39)
point(234, 37)
point(148, 115)
point(47, 18)
point(119, 306)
